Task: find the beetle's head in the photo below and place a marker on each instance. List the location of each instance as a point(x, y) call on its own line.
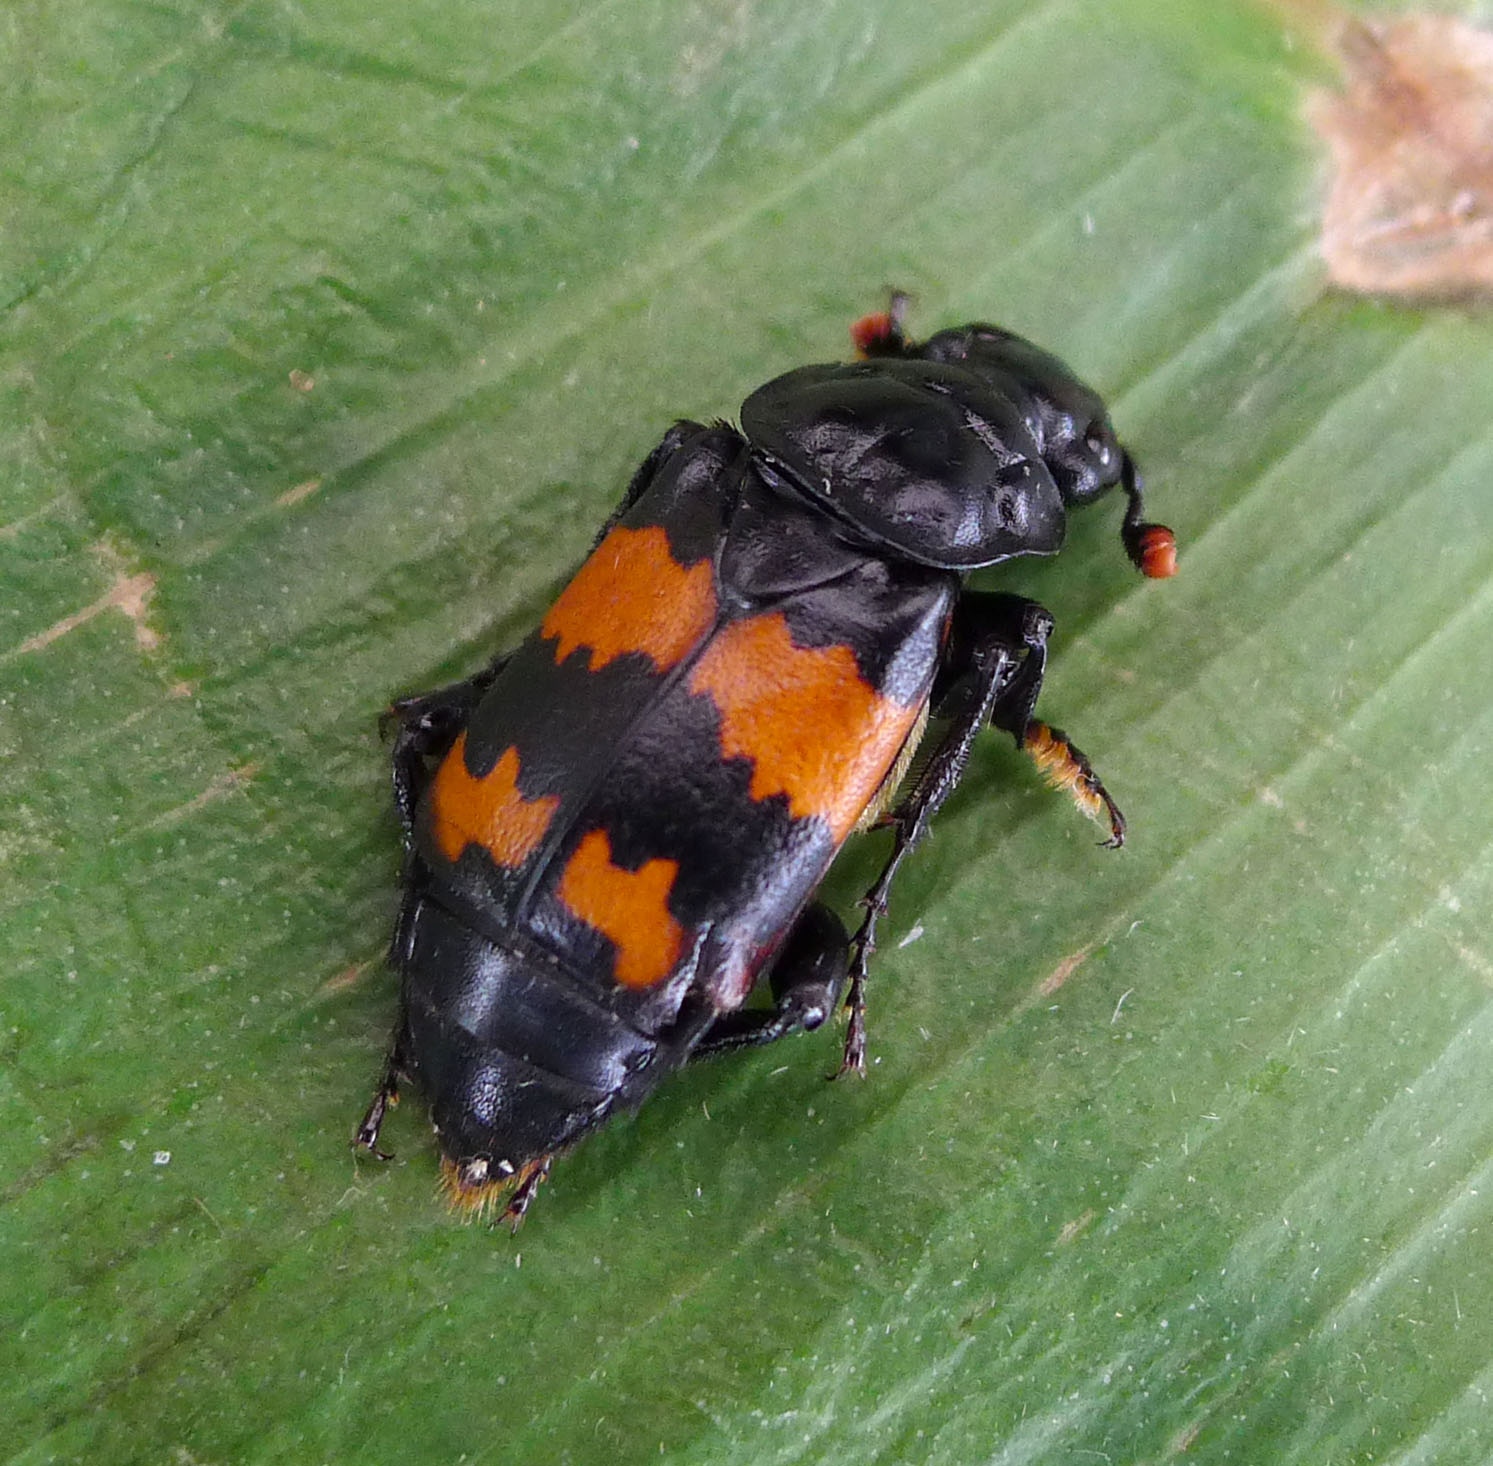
point(1068, 419)
point(924, 460)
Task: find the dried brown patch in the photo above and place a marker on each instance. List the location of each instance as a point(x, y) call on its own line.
point(1075, 1227)
point(226, 783)
point(1181, 1443)
point(1063, 971)
point(129, 593)
point(1410, 210)
point(299, 492)
point(348, 977)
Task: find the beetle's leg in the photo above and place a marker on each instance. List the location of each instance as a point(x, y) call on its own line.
point(992, 672)
point(387, 1094)
point(807, 980)
point(384, 1097)
point(1059, 760)
point(1063, 764)
point(426, 726)
point(982, 667)
point(530, 1178)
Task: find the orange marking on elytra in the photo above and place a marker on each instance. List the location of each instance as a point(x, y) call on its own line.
point(629, 906)
point(490, 811)
point(811, 724)
point(632, 595)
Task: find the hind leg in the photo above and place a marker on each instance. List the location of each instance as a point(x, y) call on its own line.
point(807, 981)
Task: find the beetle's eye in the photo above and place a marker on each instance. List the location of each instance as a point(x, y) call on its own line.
point(1101, 444)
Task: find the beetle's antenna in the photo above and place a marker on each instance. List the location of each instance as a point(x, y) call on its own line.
point(884, 333)
point(1152, 547)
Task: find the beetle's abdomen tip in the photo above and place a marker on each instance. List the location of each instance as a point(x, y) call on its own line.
point(474, 1187)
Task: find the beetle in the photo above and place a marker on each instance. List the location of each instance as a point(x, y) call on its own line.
point(613, 831)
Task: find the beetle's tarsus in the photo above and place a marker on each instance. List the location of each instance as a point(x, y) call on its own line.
point(1116, 820)
point(530, 1178)
point(997, 664)
point(384, 1099)
point(863, 948)
point(853, 1061)
point(1065, 766)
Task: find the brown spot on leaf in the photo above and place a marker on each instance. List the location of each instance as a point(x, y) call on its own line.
point(226, 783)
point(301, 491)
point(1075, 1227)
point(1181, 1443)
point(1410, 210)
point(348, 977)
point(1063, 971)
point(129, 593)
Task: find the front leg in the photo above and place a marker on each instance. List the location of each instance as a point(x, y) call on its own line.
point(1057, 758)
point(984, 659)
point(992, 672)
point(1063, 764)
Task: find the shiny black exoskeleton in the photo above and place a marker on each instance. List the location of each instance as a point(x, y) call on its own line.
point(615, 829)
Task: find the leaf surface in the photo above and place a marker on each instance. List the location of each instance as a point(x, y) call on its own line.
point(332, 334)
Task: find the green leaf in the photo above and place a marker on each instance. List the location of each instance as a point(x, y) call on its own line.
point(332, 332)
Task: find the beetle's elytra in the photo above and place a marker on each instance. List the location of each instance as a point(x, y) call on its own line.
point(612, 831)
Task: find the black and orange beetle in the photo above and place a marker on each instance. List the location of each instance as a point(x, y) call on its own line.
point(615, 829)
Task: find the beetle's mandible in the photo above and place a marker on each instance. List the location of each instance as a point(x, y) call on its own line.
point(612, 831)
